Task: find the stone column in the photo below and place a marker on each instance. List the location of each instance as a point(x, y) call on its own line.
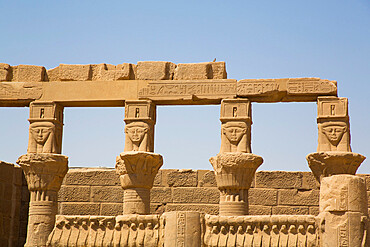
point(235, 165)
point(343, 211)
point(137, 166)
point(334, 154)
point(44, 169)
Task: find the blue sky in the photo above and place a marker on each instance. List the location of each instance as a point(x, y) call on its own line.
point(257, 39)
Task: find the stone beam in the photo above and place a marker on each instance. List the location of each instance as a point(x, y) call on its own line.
point(164, 83)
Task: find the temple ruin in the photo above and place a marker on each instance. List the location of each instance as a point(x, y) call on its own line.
point(139, 204)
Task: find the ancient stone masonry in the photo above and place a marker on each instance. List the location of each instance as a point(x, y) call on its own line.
point(334, 154)
point(339, 218)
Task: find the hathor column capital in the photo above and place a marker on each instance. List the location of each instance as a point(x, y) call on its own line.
point(137, 171)
point(44, 174)
point(334, 154)
point(235, 165)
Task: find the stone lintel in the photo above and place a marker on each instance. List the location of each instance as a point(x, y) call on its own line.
point(95, 93)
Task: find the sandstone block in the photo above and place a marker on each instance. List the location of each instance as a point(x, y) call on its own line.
point(309, 182)
point(313, 210)
point(206, 178)
point(75, 72)
point(202, 208)
point(111, 209)
point(278, 210)
point(161, 195)
point(156, 70)
point(125, 71)
point(342, 193)
point(194, 71)
point(25, 194)
point(259, 210)
point(109, 72)
point(278, 180)
point(218, 70)
point(158, 179)
point(157, 208)
point(53, 74)
point(8, 189)
point(106, 194)
point(266, 197)
point(196, 195)
point(30, 73)
point(82, 208)
point(86, 176)
point(182, 178)
point(24, 212)
point(74, 194)
point(297, 197)
point(6, 171)
point(5, 72)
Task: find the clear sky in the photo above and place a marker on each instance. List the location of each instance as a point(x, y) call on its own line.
point(257, 39)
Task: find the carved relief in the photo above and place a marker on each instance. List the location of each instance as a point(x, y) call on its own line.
point(333, 124)
point(236, 126)
point(139, 129)
point(334, 136)
point(234, 137)
point(46, 127)
point(45, 137)
point(138, 137)
point(282, 230)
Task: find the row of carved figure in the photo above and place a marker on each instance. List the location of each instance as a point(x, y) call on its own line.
point(260, 231)
point(148, 230)
point(127, 230)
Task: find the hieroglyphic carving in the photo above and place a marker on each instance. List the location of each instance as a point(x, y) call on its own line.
point(46, 128)
point(236, 126)
point(182, 229)
point(257, 87)
point(311, 86)
point(180, 90)
point(333, 124)
point(139, 129)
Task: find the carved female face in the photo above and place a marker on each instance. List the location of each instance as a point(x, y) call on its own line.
point(136, 132)
point(41, 131)
point(334, 133)
point(234, 131)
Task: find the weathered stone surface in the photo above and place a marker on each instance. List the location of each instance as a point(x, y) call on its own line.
point(313, 210)
point(91, 176)
point(29, 73)
point(297, 197)
point(74, 194)
point(202, 208)
point(182, 178)
point(200, 195)
point(160, 195)
point(73, 72)
point(343, 193)
point(267, 197)
point(278, 180)
point(182, 229)
point(289, 210)
point(111, 209)
point(324, 164)
point(193, 71)
point(259, 210)
point(79, 208)
point(285, 90)
point(106, 194)
point(218, 70)
point(206, 178)
point(155, 70)
point(5, 72)
point(189, 92)
point(53, 74)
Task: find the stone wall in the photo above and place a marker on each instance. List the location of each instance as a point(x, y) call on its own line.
point(13, 205)
point(88, 191)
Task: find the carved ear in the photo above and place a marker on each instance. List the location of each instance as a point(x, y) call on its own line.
point(244, 130)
